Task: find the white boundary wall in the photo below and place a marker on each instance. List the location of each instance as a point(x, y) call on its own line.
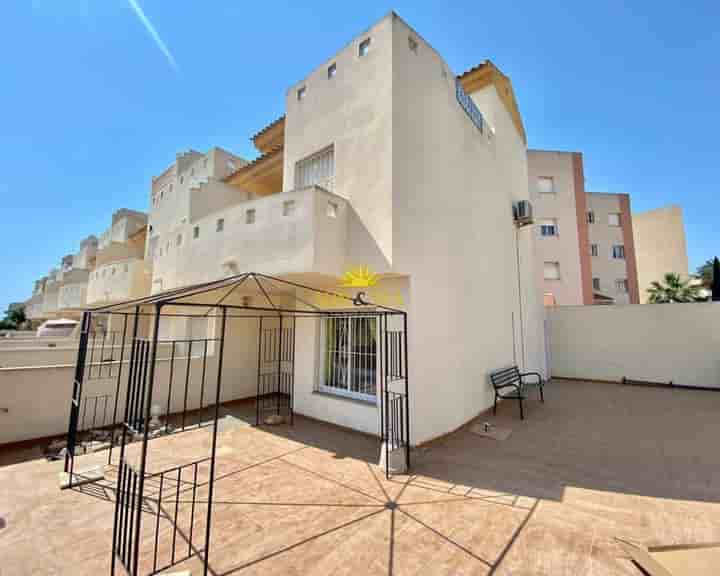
point(655, 342)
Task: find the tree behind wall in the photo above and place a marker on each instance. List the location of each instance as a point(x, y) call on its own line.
point(673, 289)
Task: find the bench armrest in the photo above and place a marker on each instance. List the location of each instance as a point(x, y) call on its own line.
point(533, 374)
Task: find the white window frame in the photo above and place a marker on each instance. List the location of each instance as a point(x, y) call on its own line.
point(612, 216)
point(317, 169)
point(543, 179)
point(345, 361)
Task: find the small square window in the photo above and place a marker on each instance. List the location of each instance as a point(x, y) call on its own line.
point(593, 249)
point(301, 92)
point(332, 70)
point(332, 210)
point(288, 208)
point(551, 270)
point(220, 225)
point(596, 283)
point(614, 219)
point(591, 217)
point(364, 47)
point(548, 228)
point(250, 216)
point(545, 185)
point(196, 232)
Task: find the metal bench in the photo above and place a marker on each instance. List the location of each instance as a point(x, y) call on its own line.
point(509, 384)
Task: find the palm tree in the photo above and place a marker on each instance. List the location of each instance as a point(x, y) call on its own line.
point(673, 289)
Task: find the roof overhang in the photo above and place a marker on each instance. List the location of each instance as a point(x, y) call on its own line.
point(262, 176)
point(487, 74)
point(270, 137)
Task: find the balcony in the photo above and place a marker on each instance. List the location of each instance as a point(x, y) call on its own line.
point(300, 231)
point(118, 280)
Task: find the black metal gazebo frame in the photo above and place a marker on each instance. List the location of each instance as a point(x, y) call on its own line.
point(130, 379)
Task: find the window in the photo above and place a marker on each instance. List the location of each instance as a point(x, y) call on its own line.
point(301, 92)
point(546, 185)
point(332, 209)
point(596, 283)
point(618, 252)
point(178, 240)
point(250, 216)
point(551, 270)
point(364, 47)
point(316, 170)
point(288, 208)
point(349, 357)
point(196, 232)
point(621, 285)
point(220, 225)
point(412, 44)
point(332, 70)
point(614, 219)
point(593, 249)
point(182, 179)
point(591, 217)
point(548, 228)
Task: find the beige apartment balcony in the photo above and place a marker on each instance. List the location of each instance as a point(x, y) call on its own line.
point(118, 280)
point(296, 232)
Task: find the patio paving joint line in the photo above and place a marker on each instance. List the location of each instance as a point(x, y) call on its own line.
point(514, 537)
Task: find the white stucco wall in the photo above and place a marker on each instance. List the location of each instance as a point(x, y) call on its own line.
point(453, 189)
point(656, 342)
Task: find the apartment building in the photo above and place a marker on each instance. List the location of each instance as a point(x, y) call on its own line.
point(120, 271)
point(585, 243)
point(386, 160)
point(62, 293)
point(660, 246)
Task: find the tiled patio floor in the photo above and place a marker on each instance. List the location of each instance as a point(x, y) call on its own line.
point(595, 463)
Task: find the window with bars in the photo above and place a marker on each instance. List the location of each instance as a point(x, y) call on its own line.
point(318, 169)
point(621, 285)
point(591, 217)
point(596, 283)
point(548, 228)
point(349, 357)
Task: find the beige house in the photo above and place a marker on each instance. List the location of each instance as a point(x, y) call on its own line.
point(660, 245)
point(349, 177)
point(121, 271)
point(585, 241)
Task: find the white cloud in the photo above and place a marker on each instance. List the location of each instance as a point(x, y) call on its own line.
point(154, 34)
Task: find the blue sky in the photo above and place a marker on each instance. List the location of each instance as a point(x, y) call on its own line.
point(91, 106)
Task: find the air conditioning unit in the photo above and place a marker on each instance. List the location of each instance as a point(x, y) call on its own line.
point(522, 213)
